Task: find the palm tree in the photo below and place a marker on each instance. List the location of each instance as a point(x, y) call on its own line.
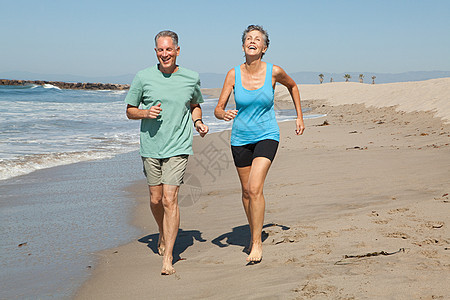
point(347, 77)
point(361, 76)
point(321, 77)
point(373, 79)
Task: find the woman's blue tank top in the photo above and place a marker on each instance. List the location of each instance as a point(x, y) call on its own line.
point(255, 120)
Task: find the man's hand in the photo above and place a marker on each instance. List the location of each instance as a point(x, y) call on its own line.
point(154, 111)
point(201, 128)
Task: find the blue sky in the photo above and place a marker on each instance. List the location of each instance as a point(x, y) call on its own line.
point(103, 38)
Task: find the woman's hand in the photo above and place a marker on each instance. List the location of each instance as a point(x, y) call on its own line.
point(300, 126)
point(230, 114)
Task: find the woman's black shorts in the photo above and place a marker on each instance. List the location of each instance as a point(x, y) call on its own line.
point(244, 155)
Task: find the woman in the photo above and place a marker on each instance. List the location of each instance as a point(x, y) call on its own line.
point(255, 132)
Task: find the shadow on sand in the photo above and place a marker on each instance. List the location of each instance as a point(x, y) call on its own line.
point(240, 236)
point(185, 239)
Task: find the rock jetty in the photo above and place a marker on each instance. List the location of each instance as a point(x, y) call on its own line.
point(69, 85)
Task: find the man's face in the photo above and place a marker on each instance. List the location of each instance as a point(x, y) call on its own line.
point(167, 53)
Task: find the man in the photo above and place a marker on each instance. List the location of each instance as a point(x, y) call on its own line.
point(169, 97)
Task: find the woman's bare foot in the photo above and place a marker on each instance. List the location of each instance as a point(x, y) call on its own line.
point(167, 268)
point(255, 255)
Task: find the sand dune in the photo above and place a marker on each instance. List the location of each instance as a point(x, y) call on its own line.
point(430, 95)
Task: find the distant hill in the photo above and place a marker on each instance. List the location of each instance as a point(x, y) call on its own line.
point(313, 77)
point(214, 80)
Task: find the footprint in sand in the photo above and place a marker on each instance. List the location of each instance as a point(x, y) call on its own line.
point(398, 235)
point(381, 221)
point(291, 260)
point(430, 253)
point(213, 261)
point(434, 224)
point(278, 236)
point(398, 210)
point(314, 276)
point(323, 291)
point(432, 241)
point(325, 248)
point(374, 213)
point(444, 198)
point(352, 228)
point(329, 234)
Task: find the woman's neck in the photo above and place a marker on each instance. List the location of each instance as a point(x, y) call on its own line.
point(253, 66)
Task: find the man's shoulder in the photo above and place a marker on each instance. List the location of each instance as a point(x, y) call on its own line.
point(190, 73)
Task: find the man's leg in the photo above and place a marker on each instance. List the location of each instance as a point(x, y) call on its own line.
point(152, 171)
point(157, 209)
point(171, 223)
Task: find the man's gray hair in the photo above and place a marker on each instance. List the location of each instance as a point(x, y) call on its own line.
point(167, 33)
point(258, 28)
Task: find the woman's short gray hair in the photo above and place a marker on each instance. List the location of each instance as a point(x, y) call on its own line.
point(258, 28)
point(167, 33)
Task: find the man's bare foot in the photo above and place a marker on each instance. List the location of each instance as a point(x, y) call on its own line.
point(170, 271)
point(167, 268)
point(161, 246)
point(255, 255)
point(161, 250)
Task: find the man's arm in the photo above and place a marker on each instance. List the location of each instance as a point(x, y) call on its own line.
point(135, 113)
point(196, 112)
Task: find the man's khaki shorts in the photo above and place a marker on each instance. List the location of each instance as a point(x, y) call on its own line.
point(165, 170)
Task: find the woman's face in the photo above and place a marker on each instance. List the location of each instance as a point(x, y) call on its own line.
point(254, 43)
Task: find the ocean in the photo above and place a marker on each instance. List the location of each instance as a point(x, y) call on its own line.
point(66, 158)
point(44, 127)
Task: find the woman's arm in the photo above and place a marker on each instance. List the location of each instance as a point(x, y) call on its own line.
point(283, 78)
point(227, 88)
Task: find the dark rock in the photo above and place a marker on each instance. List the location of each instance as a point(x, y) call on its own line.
point(69, 85)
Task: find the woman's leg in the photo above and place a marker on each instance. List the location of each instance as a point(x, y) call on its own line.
point(252, 178)
point(257, 175)
point(244, 174)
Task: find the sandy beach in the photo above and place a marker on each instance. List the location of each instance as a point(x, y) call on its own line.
point(356, 208)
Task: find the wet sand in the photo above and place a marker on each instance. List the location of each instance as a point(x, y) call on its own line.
point(53, 220)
